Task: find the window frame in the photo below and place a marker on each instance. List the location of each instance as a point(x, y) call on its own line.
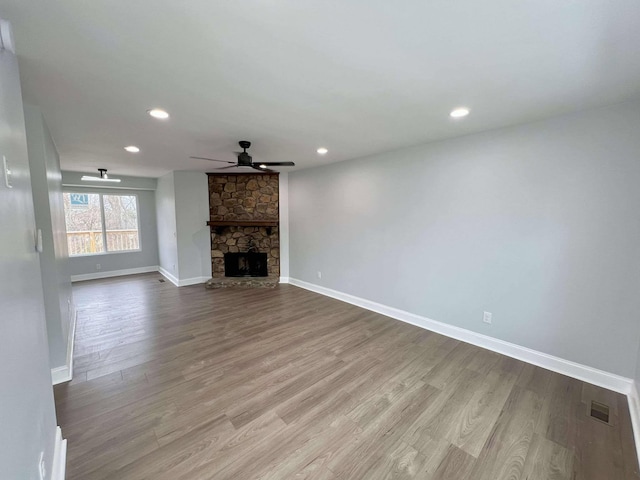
point(104, 223)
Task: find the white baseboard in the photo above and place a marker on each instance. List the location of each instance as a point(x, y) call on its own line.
point(284, 279)
point(113, 273)
point(192, 281)
point(133, 271)
point(59, 457)
point(634, 411)
point(168, 276)
point(60, 374)
point(184, 282)
point(566, 367)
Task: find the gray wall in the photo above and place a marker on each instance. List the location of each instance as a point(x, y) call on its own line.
point(46, 182)
point(148, 254)
point(27, 412)
point(537, 224)
point(166, 221)
point(283, 187)
point(193, 234)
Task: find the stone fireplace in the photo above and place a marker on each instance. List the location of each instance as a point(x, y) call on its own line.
point(244, 220)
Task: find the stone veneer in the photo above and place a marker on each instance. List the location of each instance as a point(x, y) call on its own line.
point(244, 196)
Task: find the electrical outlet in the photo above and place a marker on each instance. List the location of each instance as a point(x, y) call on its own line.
point(486, 317)
point(319, 274)
point(98, 266)
point(42, 469)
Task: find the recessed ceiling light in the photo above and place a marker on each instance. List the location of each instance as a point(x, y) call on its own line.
point(459, 112)
point(158, 113)
point(322, 151)
point(132, 149)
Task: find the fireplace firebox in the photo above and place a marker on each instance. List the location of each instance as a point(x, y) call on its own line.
point(248, 264)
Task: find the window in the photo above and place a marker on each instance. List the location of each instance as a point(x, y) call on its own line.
point(101, 223)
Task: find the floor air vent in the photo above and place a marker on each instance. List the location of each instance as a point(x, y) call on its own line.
point(599, 411)
point(161, 280)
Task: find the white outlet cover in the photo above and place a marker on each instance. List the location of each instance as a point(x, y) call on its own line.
point(486, 317)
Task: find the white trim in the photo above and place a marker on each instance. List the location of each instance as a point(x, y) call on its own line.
point(165, 273)
point(634, 412)
point(192, 281)
point(566, 367)
point(65, 373)
point(113, 273)
point(60, 374)
point(284, 279)
point(181, 282)
point(59, 457)
point(135, 271)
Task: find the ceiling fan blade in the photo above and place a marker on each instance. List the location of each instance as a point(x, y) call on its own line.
point(256, 167)
point(213, 160)
point(230, 166)
point(278, 164)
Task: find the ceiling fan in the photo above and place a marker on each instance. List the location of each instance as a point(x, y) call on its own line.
point(245, 160)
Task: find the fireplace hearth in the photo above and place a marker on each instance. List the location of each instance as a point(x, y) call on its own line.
point(248, 264)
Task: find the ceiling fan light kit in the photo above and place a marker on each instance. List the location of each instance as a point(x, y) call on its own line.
point(102, 178)
point(245, 160)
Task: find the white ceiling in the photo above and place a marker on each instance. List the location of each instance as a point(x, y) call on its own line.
point(356, 76)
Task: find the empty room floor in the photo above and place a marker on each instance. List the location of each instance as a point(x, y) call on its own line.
point(188, 383)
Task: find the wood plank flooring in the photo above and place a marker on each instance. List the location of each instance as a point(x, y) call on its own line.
point(187, 383)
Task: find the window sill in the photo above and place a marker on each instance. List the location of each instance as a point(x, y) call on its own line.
point(84, 255)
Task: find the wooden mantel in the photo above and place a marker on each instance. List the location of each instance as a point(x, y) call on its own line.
point(243, 223)
point(219, 225)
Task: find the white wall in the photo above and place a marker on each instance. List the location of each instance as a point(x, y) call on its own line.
point(27, 414)
point(46, 182)
point(537, 224)
point(166, 225)
point(193, 234)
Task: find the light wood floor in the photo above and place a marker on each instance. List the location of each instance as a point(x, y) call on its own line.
point(187, 383)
